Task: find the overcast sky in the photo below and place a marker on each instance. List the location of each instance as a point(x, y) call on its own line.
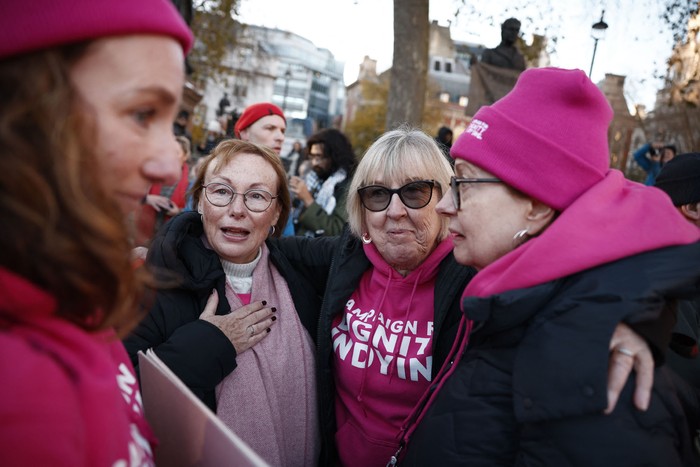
point(351, 29)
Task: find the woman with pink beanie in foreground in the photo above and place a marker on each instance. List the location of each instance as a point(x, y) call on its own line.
point(88, 93)
point(565, 250)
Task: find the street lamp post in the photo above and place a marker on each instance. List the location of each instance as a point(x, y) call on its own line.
point(597, 33)
point(287, 76)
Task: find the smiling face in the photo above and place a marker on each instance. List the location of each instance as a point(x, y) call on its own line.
point(404, 236)
point(233, 231)
point(490, 215)
point(131, 87)
point(268, 131)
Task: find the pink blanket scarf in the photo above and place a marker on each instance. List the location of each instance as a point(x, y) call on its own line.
point(269, 400)
point(614, 219)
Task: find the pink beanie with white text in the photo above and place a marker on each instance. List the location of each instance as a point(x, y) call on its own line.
point(548, 137)
point(43, 24)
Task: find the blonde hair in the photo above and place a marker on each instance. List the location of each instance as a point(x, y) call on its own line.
point(402, 154)
point(225, 152)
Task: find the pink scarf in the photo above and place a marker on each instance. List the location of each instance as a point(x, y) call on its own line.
point(269, 400)
point(614, 219)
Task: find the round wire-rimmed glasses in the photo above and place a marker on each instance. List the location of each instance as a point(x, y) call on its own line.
point(221, 195)
point(414, 195)
point(455, 182)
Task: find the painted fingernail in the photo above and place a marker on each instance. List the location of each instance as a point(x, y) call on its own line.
point(274, 318)
point(264, 303)
point(273, 309)
point(268, 329)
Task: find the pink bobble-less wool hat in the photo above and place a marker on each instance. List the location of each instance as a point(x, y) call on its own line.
point(27, 26)
point(548, 137)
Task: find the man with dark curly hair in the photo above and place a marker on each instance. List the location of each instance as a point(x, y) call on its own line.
point(320, 196)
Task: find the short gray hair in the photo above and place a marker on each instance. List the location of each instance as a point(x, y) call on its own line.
point(399, 155)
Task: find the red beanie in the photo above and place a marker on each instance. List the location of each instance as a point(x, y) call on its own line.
point(548, 137)
point(255, 112)
point(41, 24)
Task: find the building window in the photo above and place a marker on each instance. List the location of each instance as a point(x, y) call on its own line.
point(448, 67)
point(463, 101)
point(444, 97)
point(436, 67)
point(240, 91)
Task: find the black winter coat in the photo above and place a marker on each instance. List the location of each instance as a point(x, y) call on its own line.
point(196, 350)
point(335, 265)
point(530, 388)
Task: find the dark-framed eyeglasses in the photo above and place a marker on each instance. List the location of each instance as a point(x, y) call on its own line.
point(414, 195)
point(455, 182)
point(221, 195)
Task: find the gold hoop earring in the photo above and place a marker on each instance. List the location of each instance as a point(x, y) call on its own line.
point(366, 238)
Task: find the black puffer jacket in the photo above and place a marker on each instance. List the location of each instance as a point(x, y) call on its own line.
point(196, 350)
point(335, 266)
point(530, 388)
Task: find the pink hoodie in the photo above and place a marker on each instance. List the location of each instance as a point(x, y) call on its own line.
point(382, 346)
point(68, 397)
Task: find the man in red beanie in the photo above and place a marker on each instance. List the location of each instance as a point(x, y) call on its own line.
point(263, 124)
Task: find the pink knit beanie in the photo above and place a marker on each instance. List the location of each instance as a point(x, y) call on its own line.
point(27, 26)
point(548, 137)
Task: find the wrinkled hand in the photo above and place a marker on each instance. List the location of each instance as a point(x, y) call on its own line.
point(628, 350)
point(159, 203)
point(245, 326)
point(298, 187)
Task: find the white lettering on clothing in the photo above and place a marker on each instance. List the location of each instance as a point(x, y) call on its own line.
point(388, 341)
point(383, 362)
point(358, 351)
point(417, 368)
point(367, 339)
point(477, 128)
point(127, 385)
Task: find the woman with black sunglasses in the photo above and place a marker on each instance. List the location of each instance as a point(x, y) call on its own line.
point(391, 292)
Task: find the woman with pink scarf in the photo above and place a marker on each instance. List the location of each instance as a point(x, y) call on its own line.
point(239, 326)
point(565, 250)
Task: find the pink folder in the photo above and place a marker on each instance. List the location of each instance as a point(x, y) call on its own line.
point(188, 432)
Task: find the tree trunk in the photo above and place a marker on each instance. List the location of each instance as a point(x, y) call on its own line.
point(409, 71)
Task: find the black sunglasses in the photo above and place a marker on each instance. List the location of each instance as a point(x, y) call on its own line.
point(414, 195)
point(456, 181)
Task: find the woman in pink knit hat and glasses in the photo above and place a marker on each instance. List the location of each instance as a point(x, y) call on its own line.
point(88, 93)
point(565, 251)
